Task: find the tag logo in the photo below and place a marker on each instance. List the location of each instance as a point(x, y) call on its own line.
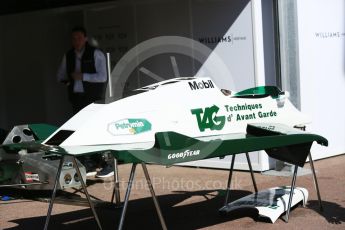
point(207, 118)
point(129, 126)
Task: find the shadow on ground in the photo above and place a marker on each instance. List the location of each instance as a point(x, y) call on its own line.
point(179, 213)
point(332, 212)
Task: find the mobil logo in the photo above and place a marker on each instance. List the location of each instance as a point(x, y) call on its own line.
point(196, 85)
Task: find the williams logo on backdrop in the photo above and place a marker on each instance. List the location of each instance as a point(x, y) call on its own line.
point(329, 34)
point(228, 39)
point(216, 39)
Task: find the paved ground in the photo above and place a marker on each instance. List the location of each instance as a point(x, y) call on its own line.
point(189, 198)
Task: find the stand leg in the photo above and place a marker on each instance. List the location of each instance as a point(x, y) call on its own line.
point(51, 203)
point(159, 212)
point(229, 179)
point(292, 188)
point(116, 191)
point(86, 192)
point(315, 182)
point(128, 191)
point(251, 173)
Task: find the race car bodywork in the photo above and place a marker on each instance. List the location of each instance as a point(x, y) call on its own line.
point(194, 107)
point(33, 170)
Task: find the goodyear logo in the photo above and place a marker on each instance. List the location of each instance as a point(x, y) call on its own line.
point(129, 126)
point(187, 153)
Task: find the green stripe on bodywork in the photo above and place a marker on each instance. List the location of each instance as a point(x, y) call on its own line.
point(272, 91)
point(282, 143)
point(170, 143)
point(42, 131)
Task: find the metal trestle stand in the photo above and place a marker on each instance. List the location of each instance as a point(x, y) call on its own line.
point(230, 176)
point(116, 191)
point(315, 182)
point(51, 203)
point(128, 191)
point(292, 188)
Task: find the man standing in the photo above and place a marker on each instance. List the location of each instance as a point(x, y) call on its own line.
point(83, 70)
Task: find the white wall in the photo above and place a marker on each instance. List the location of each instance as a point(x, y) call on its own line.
point(200, 20)
point(321, 31)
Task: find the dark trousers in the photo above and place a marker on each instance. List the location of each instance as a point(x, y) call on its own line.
point(79, 101)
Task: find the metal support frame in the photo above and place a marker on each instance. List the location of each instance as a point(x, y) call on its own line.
point(75, 164)
point(229, 179)
point(128, 191)
point(51, 203)
point(116, 191)
point(292, 188)
point(230, 176)
point(251, 172)
point(23, 184)
point(155, 201)
point(115, 194)
point(315, 181)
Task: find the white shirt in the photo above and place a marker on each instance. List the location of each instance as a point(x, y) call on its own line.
point(99, 76)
